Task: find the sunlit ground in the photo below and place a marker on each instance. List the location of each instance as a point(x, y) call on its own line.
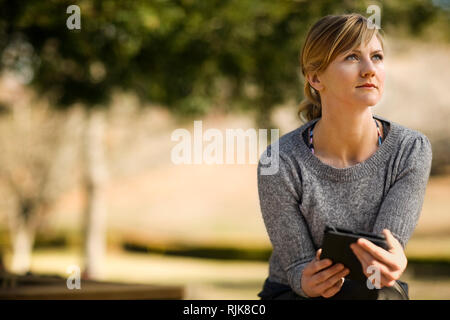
point(202, 278)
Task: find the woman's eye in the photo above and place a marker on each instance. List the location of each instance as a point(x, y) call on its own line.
point(351, 57)
point(378, 56)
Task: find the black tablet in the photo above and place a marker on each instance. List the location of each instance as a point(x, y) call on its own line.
point(336, 246)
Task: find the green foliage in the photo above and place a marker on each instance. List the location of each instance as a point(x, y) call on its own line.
point(172, 51)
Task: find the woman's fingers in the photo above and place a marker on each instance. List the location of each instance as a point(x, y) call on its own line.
point(333, 284)
point(334, 289)
point(363, 257)
point(377, 252)
point(379, 280)
point(383, 282)
point(367, 260)
point(316, 266)
point(327, 274)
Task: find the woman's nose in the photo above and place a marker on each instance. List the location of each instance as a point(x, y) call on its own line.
point(367, 69)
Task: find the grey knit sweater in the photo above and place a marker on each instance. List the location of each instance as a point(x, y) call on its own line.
point(305, 195)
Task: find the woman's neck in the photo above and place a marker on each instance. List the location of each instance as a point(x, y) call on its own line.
point(345, 139)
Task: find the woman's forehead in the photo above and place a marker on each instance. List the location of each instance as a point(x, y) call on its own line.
point(373, 45)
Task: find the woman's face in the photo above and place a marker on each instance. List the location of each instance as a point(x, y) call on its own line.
point(342, 80)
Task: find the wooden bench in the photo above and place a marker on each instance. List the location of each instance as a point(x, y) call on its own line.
point(44, 287)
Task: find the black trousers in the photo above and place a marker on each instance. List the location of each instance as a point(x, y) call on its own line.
point(351, 290)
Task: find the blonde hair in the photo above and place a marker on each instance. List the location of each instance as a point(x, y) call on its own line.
point(327, 38)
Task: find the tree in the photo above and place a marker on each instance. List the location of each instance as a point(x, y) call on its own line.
point(33, 164)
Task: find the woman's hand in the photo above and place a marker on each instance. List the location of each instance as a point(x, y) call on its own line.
point(319, 279)
point(391, 264)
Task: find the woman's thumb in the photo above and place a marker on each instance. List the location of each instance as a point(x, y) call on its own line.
point(318, 253)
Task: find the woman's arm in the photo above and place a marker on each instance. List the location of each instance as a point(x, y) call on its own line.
point(398, 213)
point(401, 207)
point(279, 201)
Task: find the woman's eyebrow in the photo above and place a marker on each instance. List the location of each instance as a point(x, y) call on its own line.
point(376, 51)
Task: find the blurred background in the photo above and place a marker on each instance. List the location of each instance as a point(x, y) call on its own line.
point(87, 114)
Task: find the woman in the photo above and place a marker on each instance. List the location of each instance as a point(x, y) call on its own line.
point(346, 168)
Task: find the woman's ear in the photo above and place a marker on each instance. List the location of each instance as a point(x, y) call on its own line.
point(314, 81)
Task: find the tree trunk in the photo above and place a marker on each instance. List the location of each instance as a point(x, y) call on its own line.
point(95, 211)
point(23, 226)
point(22, 242)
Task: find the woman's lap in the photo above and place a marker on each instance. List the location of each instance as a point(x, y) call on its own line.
point(351, 290)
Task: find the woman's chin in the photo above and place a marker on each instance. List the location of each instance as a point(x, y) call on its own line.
point(368, 101)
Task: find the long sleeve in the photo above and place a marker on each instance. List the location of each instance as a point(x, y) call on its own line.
point(401, 207)
point(286, 227)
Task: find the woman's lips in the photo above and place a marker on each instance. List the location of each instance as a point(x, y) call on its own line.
point(367, 86)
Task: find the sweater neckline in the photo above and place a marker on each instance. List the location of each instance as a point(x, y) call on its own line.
point(357, 171)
